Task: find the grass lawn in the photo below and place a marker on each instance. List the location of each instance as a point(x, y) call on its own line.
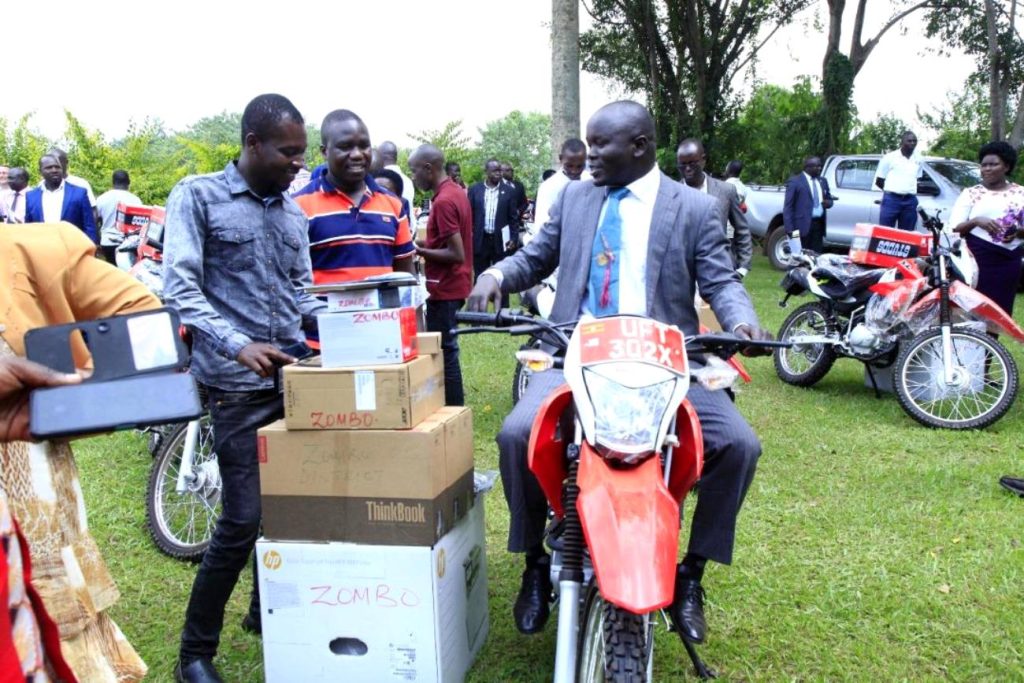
point(869, 548)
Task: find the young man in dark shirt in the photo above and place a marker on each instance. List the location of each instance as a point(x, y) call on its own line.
point(448, 253)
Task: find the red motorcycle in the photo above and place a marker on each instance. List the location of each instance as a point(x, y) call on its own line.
point(615, 450)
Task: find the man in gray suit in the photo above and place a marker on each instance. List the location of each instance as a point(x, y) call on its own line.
point(670, 239)
point(690, 160)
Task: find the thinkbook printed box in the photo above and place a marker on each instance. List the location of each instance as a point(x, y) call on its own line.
point(402, 487)
point(347, 612)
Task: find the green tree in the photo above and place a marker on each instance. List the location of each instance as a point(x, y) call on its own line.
point(777, 128)
point(962, 125)
point(22, 145)
point(987, 31)
point(523, 140)
point(682, 55)
point(878, 136)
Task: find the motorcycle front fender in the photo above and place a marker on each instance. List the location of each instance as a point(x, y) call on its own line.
point(546, 457)
point(631, 524)
point(975, 304)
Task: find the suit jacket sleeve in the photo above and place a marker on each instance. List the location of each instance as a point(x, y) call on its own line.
point(826, 194)
point(742, 244)
point(88, 218)
point(33, 207)
point(539, 258)
point(789, 207)
point(718, 283)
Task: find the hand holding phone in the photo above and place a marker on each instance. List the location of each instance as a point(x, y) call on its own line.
point(263, 359)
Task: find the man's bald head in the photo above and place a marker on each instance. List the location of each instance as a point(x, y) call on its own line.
point(690, 160)
point(426, 166)
point(622, 144)
point(388, 153)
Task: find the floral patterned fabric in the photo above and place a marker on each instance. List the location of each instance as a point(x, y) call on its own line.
point(41, 484)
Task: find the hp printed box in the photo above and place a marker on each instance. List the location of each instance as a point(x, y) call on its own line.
point(346, 612)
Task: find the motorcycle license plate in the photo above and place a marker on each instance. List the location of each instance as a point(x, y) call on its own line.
point(632, 338)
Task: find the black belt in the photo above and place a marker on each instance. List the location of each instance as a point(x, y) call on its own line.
point(901, 196)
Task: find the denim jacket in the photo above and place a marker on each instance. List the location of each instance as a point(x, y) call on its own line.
point(234, 266)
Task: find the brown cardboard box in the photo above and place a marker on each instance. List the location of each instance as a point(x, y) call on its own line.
point(371, 397)
point(429, 342)
point(381, 487)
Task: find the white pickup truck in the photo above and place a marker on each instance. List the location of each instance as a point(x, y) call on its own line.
point(851, 180)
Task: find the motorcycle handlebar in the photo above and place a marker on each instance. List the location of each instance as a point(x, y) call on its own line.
point(475, 318)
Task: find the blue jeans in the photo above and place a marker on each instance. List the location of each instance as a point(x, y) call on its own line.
point(898, 211)
point(236, 417)
point(441, 318)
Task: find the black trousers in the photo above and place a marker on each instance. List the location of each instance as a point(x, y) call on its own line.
point(236, 418)
point(816, 236)
point(731, 451)
point(441, 318)
point(489, 253)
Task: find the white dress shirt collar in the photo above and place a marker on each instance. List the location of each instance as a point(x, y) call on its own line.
point(645, 188)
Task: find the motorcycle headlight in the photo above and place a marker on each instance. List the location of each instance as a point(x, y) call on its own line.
point(628, 409)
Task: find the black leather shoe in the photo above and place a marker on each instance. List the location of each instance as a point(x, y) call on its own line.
point(1013, 485)
point(532, 607)
point(687, 610)
point(251, 624)
point(197, 671)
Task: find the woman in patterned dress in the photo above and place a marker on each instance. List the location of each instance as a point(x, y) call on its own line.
point(50, 276)
point(990, 216)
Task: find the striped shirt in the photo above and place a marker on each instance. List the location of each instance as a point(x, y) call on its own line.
point(490, 206)
point(349, 242)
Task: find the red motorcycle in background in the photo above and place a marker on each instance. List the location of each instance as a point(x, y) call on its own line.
point(615, 450)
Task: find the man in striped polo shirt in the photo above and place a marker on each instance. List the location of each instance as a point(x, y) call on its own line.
point(356, 228)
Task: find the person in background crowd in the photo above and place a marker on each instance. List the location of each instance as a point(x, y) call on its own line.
point(493, 203)
point(448, 255)
point(805, 205)
point(56, 200)
point(454, 173)
point(690, 160)
point(547, 173)
point(62, 156)
point(990, 217)
point(301, 180)
point(598, 236)
point(393, 183)
point(106, 206)
point(388, 153)
point(573, 160)
point(897, 176)
point(508, 175)
point(218, 227)
point(29, 639)
point(12, 200)
point(62, 282)
point(733, 170)
point(4, 170)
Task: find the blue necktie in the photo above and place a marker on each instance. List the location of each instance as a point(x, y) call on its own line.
point(816, 210)
point(603, 298)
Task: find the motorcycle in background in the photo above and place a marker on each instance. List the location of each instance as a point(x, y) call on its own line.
point(920, 319)
point(615, 451)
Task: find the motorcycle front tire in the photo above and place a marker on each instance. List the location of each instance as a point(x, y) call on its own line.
point(804, 365)
point(990, 371)
point(614, 645)
point(187, 545)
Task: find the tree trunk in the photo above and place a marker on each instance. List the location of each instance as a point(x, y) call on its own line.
point(997, 102)
point(565, 73)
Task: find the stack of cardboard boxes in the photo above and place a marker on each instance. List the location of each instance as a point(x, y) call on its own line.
point(372, 566)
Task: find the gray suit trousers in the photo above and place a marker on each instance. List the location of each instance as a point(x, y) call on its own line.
point(731, 451)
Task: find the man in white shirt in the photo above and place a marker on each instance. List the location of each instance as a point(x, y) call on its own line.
point(573, 158)
point(106, 205)
point(388, 153)
point(897, 176)
point(12, 200)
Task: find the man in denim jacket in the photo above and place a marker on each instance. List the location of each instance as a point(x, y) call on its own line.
point(236, 257)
